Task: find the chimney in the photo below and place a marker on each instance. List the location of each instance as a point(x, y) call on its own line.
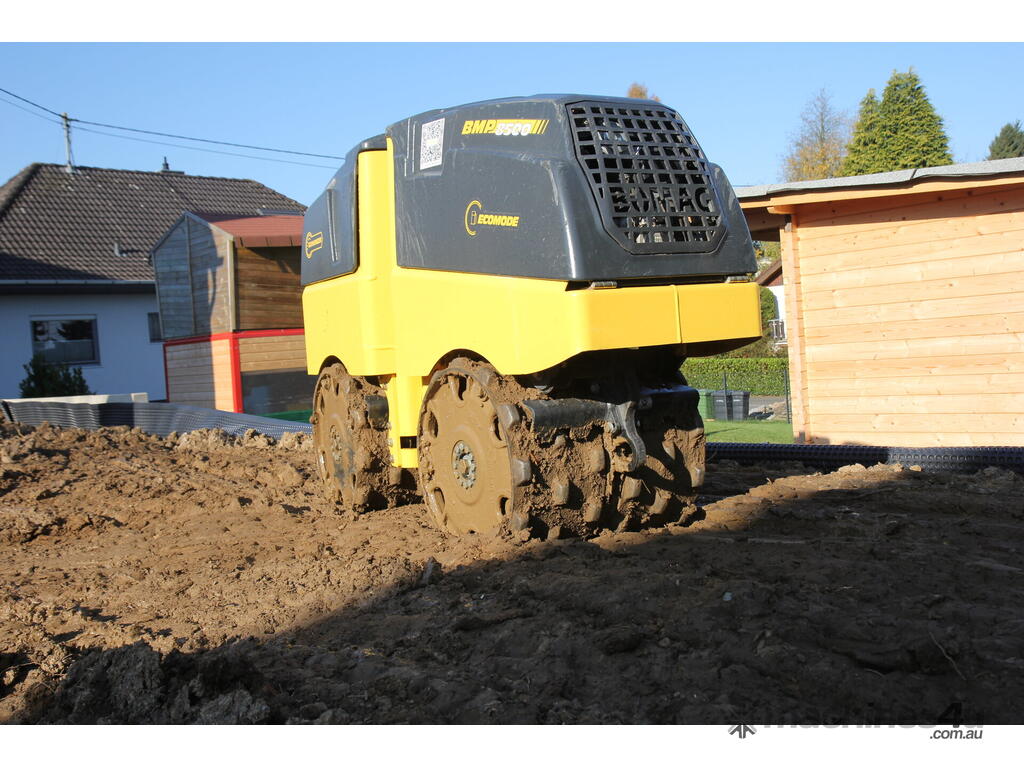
point(167, 169)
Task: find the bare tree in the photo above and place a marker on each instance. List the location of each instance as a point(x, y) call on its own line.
point(819, 147)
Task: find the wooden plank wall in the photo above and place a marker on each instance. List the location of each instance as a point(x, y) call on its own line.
point(794, 330)
point(272, 353)
point(268, 289)
point(193, 281)
point(174, 290)
point(907, 326)
point(200, 374)
point(210, 280)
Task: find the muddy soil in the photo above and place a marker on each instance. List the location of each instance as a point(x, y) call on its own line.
point(206, 579)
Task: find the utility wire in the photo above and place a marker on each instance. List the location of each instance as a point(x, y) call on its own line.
point(30, 112)
point(201, 149)
point(163, 143)
point(37, 106)
point(152, 141)
point(174, 135)
point(208, 141)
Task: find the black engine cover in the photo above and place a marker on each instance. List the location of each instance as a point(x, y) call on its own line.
point(564, 187)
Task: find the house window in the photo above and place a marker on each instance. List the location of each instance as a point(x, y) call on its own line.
point(65, 340)
point(155, 334)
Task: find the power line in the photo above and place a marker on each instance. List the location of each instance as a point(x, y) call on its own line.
point(212, 151)
point(29, 111)
point(37, 106)
point(208, 141)
point(172, 135)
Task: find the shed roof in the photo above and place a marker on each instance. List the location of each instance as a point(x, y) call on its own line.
point(988, 170)
point(99, 224)
point(259, 231)
point(771, 274)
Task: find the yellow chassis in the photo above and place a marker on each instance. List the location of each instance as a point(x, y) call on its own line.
point(398, 323)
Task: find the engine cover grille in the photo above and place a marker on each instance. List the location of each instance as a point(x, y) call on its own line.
point(649, 177)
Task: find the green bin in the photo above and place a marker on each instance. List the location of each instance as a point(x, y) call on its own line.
point(707, 406)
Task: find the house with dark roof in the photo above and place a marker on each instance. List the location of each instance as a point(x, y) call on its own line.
point(76, 279)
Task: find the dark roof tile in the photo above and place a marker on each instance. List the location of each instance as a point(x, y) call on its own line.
point(60, 226)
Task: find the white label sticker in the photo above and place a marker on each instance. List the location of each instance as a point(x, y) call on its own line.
point(431, 143)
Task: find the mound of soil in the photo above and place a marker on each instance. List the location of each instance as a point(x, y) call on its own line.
point(206, 579)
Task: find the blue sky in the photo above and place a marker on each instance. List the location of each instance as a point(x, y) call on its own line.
point(743, 100)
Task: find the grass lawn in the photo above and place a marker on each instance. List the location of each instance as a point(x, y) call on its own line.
point(748, 431)
point(290, 416)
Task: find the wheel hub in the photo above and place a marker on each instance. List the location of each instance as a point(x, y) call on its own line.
point(464, 465)
point(464, 460)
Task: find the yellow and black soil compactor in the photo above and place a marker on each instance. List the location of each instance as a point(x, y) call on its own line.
point(497, 301)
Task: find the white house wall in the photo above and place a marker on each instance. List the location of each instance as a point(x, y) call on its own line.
point(129, 361)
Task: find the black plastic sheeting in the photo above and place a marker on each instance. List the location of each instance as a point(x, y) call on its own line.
point(831, 457)
point(156, 418)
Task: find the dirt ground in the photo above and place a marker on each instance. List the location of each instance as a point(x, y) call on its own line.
point(206, 580)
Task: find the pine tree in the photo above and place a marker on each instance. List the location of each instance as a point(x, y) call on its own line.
point(819, 147)
point(862, 151)
point(912, 132)
point(1009, 143)
point(46, 379)
point(902, 131)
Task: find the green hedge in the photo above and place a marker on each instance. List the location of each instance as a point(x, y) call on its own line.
point(758, 375)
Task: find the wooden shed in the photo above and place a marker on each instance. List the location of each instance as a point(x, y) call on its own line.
point(904, 303)
point(231, 312)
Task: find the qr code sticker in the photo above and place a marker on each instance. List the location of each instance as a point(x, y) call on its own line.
point(431, 143)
